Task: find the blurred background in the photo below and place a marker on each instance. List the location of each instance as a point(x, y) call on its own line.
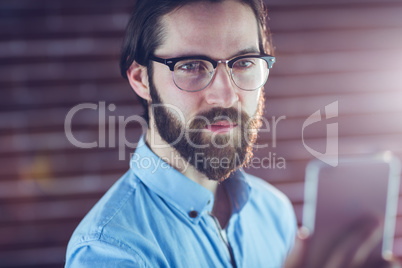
point(55, 55)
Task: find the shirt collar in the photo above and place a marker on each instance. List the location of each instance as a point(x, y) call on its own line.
point(239, 189)
point(192, 199)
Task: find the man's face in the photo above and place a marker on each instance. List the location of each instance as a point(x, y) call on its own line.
point(213, 128)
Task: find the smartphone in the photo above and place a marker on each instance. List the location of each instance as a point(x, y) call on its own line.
point(336, 197)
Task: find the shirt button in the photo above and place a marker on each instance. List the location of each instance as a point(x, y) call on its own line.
point(193, 214)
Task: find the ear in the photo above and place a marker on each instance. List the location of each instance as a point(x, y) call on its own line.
point(138, 78)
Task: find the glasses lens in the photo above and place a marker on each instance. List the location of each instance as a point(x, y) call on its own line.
point(193, 74)
point(250, 73)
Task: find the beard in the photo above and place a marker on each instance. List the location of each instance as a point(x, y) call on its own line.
point(213, 154)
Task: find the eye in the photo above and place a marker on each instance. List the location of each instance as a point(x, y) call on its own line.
point(244, 63)
point(192, 66)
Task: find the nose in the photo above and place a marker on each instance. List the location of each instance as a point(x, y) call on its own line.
point(221, 91)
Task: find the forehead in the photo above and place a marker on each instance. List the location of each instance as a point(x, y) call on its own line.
point(218, 30)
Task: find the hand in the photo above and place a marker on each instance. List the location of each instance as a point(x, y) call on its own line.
point(357, 247)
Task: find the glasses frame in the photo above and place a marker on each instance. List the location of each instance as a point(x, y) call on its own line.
point(171, 62)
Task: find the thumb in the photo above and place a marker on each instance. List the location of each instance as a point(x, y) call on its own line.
point(296, 258)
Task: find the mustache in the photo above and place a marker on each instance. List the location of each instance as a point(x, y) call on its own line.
point(217, 114)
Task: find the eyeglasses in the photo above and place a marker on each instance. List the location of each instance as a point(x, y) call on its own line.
point(194, 73)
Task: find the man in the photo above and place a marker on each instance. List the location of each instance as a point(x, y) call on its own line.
point(199, 68)
point(201, 210)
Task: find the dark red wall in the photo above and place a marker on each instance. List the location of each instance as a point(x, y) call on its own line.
point(57, 54)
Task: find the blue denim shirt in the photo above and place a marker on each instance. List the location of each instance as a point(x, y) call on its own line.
point(157, 217)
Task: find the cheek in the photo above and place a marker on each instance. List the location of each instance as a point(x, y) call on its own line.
point(185, 103)
point(162, 79)
point(249, 100)
point(188, 103)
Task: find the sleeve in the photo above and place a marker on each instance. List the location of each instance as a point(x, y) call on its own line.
point(101, 254)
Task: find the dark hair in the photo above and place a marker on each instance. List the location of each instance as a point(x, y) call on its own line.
point(144, 32)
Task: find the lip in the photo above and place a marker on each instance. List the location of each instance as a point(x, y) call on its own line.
point(221, 127)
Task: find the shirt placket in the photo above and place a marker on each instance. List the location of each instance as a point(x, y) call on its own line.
point(223, 236)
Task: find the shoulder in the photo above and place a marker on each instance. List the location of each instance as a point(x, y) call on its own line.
point(97, 239)
point(109, 206)
point(102, 251)
point(263, 190)
point(273, 207)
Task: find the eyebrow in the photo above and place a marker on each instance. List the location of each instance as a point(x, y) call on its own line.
point(239, 53)
point(246, 51)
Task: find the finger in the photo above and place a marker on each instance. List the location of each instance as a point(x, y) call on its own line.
point(296, 258)
point(343, 251)
point(389, 262)
point(370, 247)
point(384, 264)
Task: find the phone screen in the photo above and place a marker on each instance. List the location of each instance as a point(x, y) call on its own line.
point(338, 197)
